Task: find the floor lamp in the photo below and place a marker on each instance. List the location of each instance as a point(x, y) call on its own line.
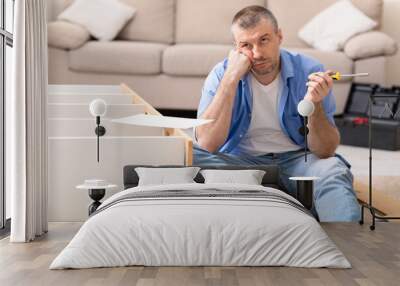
point(369, 205)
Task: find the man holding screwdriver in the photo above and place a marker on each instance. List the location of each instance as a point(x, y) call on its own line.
point(253, 96)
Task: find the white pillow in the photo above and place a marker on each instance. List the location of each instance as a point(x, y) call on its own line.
point(163, 176)
point(330, 29)
point(248, 177)
point(102, 18)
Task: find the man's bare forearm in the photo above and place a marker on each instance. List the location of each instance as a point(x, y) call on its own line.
point(211, 136)
point(323, 138)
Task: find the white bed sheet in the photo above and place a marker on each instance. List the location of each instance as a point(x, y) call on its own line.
point(200, 231)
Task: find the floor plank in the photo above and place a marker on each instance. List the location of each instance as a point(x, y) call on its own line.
point(375, 257)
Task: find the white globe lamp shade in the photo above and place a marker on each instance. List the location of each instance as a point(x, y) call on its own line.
point(305, 107)
point(98, 107)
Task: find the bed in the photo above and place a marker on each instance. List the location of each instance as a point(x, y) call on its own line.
point(198, 224)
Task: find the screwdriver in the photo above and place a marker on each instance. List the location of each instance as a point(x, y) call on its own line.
point(339, 76)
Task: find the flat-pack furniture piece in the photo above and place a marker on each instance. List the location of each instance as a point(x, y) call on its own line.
point(72, 144)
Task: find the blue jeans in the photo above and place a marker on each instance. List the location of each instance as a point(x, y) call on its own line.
point(334, 197)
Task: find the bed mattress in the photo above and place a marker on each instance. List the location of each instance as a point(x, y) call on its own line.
point(201, 225)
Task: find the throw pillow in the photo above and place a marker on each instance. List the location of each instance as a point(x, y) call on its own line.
point(330, 29)
point(248, 177)
point(162, 176)
point(104, 19)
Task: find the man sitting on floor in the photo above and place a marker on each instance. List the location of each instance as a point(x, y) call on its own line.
point(253, 96)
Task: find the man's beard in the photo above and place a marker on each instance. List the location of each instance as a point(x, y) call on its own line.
point(269, 68)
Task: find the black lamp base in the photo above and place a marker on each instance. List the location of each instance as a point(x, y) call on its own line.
point(96, 195)
point(305, 190)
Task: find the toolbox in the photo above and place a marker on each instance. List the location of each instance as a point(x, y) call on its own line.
point(385, 117)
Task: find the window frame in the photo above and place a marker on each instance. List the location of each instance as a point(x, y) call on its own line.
point(6, 39)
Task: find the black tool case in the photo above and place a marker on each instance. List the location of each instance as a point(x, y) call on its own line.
point(385, 117)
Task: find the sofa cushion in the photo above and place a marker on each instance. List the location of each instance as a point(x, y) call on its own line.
point(65, 35)
point(193, 60)
point(371, 8)
point(117, 57)
point(153, 21)
point(207, 21)
point(291, 20)
point(369, 45)
point(336, 61)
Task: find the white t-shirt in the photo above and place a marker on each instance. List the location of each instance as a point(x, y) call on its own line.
point(265, 134)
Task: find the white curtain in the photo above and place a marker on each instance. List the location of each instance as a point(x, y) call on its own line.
point(26, 123)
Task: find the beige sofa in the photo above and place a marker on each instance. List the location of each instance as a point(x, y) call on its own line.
point(169, 47)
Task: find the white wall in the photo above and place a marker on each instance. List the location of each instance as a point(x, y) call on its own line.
point(391, 26)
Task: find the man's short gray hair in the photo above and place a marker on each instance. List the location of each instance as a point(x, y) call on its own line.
point(250, 16)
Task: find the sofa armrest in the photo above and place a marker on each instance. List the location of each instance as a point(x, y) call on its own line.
point(66, 35)
point(375, 66)
point(370, 44)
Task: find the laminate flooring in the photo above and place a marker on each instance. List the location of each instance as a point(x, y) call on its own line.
point(374, 255)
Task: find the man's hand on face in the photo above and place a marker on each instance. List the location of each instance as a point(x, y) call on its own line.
point(239, 63)
point(319, 85)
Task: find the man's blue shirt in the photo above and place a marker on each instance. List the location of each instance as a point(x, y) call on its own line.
point(295, 69)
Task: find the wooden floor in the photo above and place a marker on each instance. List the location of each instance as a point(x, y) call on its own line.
point(375, 257)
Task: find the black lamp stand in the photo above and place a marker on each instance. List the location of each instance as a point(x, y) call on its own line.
point(304, 132)
point(100, 131)
point(369, 204)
